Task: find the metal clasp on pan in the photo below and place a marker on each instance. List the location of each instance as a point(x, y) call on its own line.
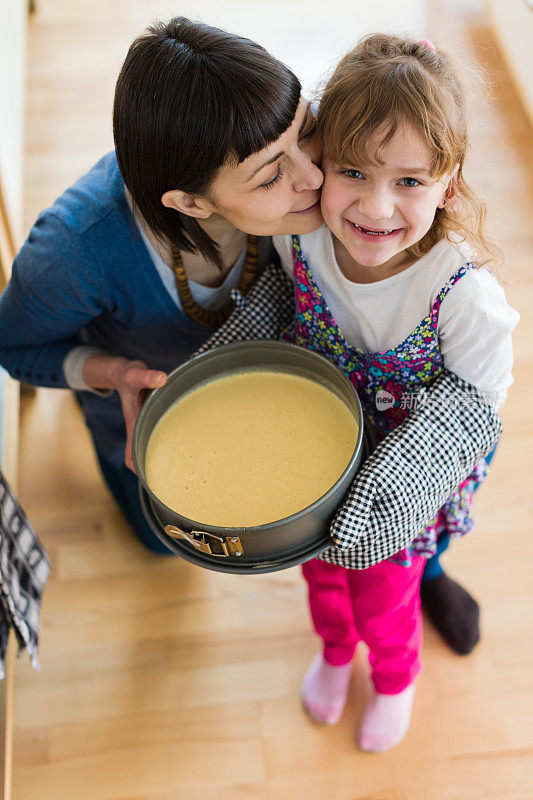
point(229, 545)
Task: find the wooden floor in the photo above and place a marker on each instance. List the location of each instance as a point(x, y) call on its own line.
point(162, 681)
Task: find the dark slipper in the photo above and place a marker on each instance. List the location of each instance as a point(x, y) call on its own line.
point(453, 612)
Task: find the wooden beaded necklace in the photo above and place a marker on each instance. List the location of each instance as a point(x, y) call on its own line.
point(205, 316)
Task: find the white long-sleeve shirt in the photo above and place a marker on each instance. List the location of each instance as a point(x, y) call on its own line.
point(475, 322)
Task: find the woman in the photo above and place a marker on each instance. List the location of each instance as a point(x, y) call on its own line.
point(132, 268)
point(103, 292)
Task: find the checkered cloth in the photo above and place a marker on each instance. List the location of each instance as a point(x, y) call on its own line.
point(24, 569)
point(413, 471)
point(264, 314)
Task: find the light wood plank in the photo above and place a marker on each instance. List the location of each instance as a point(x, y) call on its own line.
point(9, 443)
point(7, 721)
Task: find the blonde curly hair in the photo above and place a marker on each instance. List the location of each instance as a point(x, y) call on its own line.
point(387, 81)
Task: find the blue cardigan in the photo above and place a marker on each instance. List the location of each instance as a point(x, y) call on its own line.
point(84, 276)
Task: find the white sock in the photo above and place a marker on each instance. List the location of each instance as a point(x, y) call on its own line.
point(385, 720)
point(325, 689)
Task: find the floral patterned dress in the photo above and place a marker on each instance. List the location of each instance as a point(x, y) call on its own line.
point(387, 383)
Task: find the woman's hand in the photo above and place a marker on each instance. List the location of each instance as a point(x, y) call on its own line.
point(131, 379)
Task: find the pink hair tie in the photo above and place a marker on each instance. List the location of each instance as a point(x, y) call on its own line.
point(428, 44)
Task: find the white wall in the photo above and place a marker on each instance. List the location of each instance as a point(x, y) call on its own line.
point(12, 103)
point(12, 108)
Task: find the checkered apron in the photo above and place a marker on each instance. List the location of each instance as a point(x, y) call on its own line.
point(387, 383)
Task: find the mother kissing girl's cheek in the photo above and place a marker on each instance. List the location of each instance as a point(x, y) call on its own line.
point(132, 269)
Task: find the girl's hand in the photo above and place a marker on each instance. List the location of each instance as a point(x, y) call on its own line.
point(131, 379)
point(413, 471)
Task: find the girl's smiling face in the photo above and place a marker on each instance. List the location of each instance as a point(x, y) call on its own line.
point(377, 211)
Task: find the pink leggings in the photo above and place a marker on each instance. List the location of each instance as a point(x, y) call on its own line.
point(379, 606)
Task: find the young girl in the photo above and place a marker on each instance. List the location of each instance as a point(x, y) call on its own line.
point(393, 292)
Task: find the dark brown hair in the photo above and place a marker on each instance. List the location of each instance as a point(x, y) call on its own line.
point(387, 81)
point(189, 99)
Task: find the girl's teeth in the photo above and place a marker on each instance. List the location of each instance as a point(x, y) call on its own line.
point(373, 233)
